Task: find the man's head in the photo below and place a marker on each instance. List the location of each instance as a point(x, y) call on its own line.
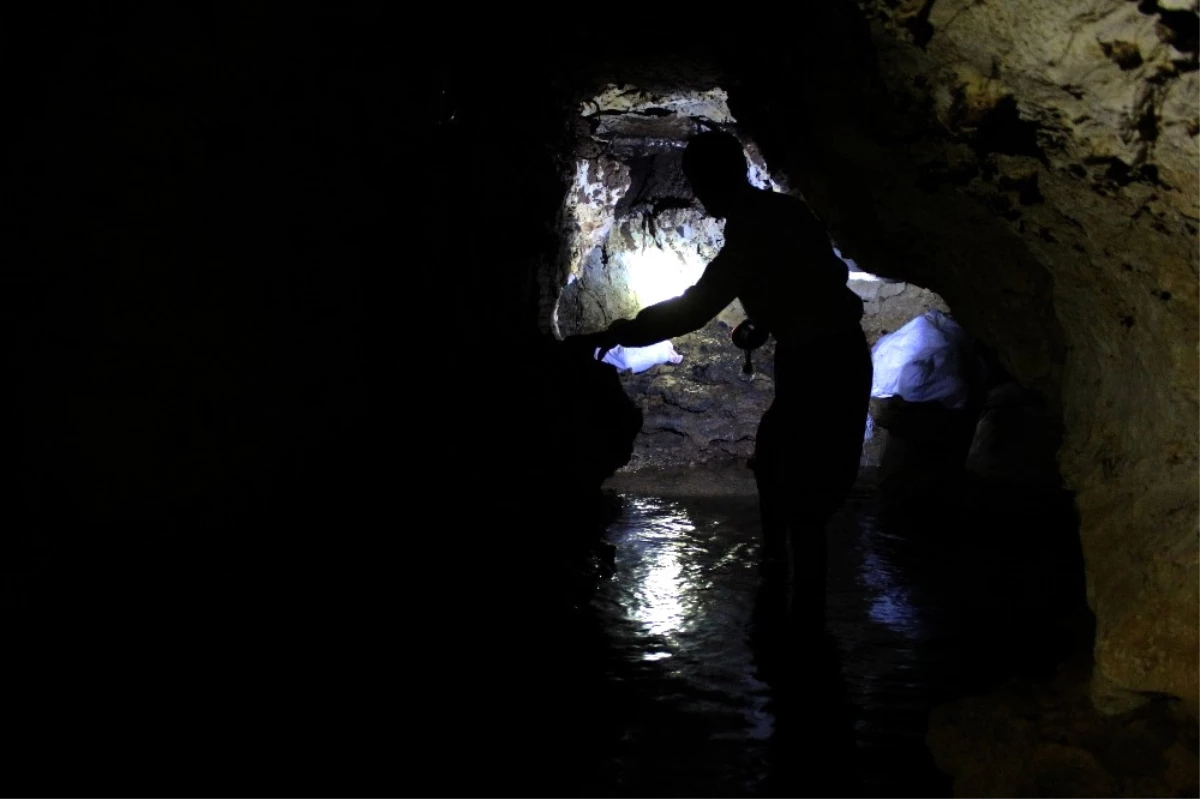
point(716, 168)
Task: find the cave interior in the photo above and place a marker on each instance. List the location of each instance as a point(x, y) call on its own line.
point(298, 455)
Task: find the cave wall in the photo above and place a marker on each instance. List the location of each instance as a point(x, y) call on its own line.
point(889, 305)
point(612, 243)
point(1127, 308)
point(1036, 166)
point(703, 410)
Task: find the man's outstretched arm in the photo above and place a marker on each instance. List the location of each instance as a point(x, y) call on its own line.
point(716, 288)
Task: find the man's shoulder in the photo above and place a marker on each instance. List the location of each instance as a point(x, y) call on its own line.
point(779, 204)
point(769, 209)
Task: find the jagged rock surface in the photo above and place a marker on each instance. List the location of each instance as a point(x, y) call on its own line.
point(1035, 165)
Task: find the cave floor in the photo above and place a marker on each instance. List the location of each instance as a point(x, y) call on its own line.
point(928, 601)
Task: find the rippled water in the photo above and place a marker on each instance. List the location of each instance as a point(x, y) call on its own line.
point(732, 699)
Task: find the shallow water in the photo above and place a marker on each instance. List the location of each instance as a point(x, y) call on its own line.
point(731, 698)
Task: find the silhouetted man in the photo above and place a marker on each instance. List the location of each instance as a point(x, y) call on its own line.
point(779, 262)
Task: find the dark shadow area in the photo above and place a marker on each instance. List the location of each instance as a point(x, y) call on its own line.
point(287, 462)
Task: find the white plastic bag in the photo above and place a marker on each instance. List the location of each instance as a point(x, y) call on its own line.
point(922, 361)
point(639, 359)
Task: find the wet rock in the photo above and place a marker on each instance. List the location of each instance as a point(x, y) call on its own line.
point(584, 415)
point(1016, 439)
point(1048, 739)
point(888, 306)
point(1061, 283)
point(710, 103)
point(1068, 771)
point(705, 408)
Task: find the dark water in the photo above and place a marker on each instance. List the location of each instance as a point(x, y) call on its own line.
point(723, 696)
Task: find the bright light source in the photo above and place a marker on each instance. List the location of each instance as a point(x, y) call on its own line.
point(863, 276)
point(855, 272)
point(656, 274)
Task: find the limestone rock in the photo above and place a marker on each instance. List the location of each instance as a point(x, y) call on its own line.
point(1063, 137)
point(888, 306)
point(1048, 740)
point(709, 103)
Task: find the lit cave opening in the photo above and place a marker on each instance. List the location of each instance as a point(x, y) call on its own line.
point(633, 234)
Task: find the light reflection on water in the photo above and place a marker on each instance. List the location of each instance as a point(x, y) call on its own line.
point(664, 565)
point(676, 613)
point(650, 553)
point(891, 601)
point(686, 586)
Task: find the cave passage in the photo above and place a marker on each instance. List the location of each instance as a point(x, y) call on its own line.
point(946, 576)
point(631, 233)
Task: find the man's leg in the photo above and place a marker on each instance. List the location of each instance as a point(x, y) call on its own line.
point(772, 496)
point(818, 442)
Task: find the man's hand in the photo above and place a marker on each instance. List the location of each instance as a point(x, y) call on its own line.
point(596, 345)
point(593, 345)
